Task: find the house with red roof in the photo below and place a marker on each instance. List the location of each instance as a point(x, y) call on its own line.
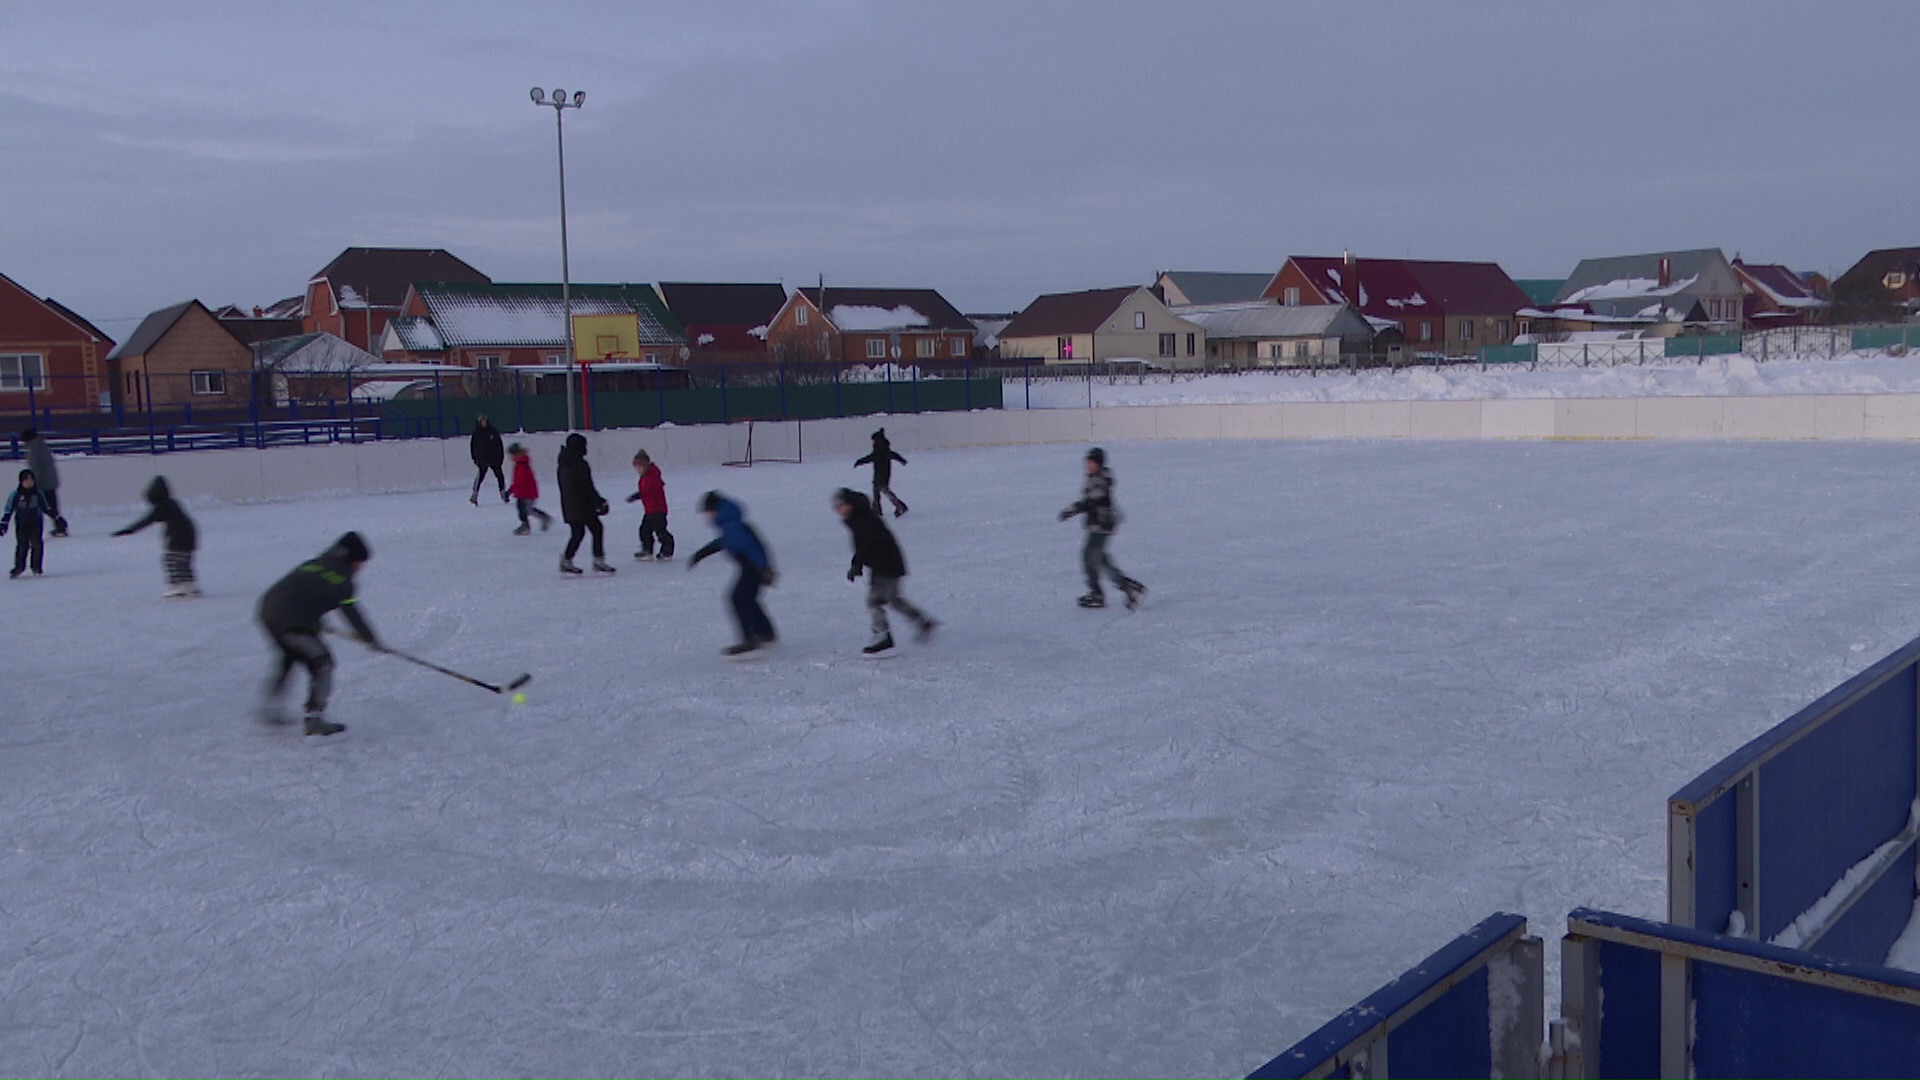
point(49, 356)
point(725, 322)
point(866, 326)
point(1452, 307)
point(1773, 295)
point(353, 296)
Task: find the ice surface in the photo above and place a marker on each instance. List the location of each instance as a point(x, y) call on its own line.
point(1378, 691)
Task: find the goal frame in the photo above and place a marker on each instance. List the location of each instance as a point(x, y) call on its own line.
point(752, 457)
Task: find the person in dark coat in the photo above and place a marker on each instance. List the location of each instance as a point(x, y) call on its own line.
point(178, 542)
point(1102, 519)
point(46, 475)
point(488, 452)
point(291, 613)
point(738, 539)
point(26, 512)
point(877, 554)
point(581, 506)
point(882, 460)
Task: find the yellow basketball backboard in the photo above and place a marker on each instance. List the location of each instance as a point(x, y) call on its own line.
point(606, 337)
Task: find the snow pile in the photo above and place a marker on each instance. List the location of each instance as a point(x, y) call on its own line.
point(851, 317)
point(704, 339)
point(872, 373)
point(1627, 288)
point(1905, 953)
point(1724, 376)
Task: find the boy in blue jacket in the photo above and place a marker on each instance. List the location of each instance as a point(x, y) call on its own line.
point(738, 539)
point(27, 511)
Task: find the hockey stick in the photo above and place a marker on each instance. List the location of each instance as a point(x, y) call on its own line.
point(449, 672)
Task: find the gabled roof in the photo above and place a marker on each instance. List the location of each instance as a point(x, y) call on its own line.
point(531, 315)
point(380, 276)
point(703, 303)
point(932, 310)
point(1778, 284)
point(1060, 314)
point(1874, 265)
point(1620, 276)
point(73, 317)
point(1401, 289)
point(1214, 286)
point(155, 326)
point(1266, 319)
point(313, 353)
point(413, 333)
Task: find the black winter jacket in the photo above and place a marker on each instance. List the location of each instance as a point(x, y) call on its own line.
point(580, 501)
point(1096, 502)
point(180, 533)
point(882, 460)
point(485, 446)
point(874, 547)
point(299, 600)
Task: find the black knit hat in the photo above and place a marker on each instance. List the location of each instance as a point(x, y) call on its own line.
point(879, 434)
point(710, 501)
point(26, 475)
point(1097, 456)
point(354, 548)
point(848, 497)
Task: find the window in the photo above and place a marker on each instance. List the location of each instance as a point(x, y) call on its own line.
point(959, 346)
point(553, 359)
point(876, 349)
point(1526, 326)
point(1169, 345)
point(1300, 351)
point(1063, 348)
point(1466, 329)
point(1139, 320)
point(800, 315)
point(492, 363)
point(925, 348)
point(1895, 279)
point(209, 382)
point(1291, 297)
point(1426, 330)
point(653, 358)
point(1190, 344)
point(1502, 327)
point(22, 371)
point(1276, 351)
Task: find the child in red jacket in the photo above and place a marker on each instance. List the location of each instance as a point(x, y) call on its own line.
point(652, 498)
point(524, 490)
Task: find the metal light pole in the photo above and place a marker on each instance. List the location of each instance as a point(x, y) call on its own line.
point(560, 103)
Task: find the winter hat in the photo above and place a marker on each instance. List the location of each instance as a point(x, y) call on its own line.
point(577, 443)
point(26, 475)
point(158, 490)
point(711, 501)
point(880, 435)
point(1097, 456)
point(641, 456)
point(516, 449)
point(354, 548)
point(847, 497)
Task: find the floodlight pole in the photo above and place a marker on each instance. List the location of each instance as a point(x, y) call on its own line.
point(560, 104)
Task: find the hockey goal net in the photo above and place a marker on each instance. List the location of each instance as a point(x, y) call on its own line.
point(765, 442)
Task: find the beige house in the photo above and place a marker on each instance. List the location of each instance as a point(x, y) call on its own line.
point(182, 355)
point(1103, 326)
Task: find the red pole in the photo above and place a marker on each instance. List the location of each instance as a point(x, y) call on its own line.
point(586, 395)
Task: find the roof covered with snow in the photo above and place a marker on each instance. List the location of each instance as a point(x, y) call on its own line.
point(531, 315)
point(1620, 276)
point(1266, 319)
point(1210, 286)
point(926, 309)
point(412, 333)
point(1778, 284)
point(315, 353)
point(1402, 289)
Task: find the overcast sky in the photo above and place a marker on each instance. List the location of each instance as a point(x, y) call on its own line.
point(155, 152)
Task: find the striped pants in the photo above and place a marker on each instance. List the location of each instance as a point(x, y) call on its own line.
point(179, 567)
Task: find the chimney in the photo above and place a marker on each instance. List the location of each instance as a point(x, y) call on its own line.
point(1666, 271)
point(257, 312)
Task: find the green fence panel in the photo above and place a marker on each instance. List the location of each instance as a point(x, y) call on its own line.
point(1878, 337)
point(1509, 354)
point(1697, 345)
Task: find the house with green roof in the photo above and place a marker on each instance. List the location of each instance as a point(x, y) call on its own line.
point(495, 325)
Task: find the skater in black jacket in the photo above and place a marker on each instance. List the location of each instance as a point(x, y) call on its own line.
point(488, 452)
point(581, 506)
point(877, 554)
point(179, 541)
point(1102, 519)
point(26, 511)
point(882, 460)
point(291, 613)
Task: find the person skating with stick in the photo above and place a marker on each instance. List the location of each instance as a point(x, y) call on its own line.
point(882, 460)
point(488, 453)
point(877, 554)
point(738, 539)
point(1102, 519)
point(291, 613)
point(581, 506)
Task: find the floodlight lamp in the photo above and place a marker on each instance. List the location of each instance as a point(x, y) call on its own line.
point(579, 98)
point(538, 95)
point(559, 96)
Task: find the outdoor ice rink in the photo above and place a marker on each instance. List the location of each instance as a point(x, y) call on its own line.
point(1378, 691)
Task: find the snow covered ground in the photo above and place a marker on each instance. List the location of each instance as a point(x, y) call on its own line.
point(1716, 377)
point(1378, 691)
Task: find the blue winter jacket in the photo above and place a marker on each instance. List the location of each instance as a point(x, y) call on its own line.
point(27, 504)
point(736, 538)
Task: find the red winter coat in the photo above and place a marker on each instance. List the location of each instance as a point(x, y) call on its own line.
point(524, 486)
point(653, 491)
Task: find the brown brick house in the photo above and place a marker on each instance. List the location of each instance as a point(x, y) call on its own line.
point(49, 356)
point(1884, 286)
point(183, 355)
point(725, 322)
point(1452, 307)
point(353, 296)
point(862, 326)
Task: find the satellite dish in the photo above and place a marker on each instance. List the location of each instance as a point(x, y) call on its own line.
point(685, 352)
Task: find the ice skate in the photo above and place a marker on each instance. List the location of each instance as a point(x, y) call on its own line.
point(643, 556)
point(504, 497)
point(1093, 600)
point(1134, 591)
point(883, 647)
point(546, 522)
point(523, 530)
point(15, 573)
point(177, 592)
point(473, 499)
point(320, 725)
point(567, 567)
point(745, 650)
point(602, 566)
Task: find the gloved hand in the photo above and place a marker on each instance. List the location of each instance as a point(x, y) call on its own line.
point(603, 509)
point(853, 574)
point(635, 497)
point(3, 528)
point(1066, 515)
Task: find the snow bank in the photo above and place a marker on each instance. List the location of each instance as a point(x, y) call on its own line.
point(1810, 924)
